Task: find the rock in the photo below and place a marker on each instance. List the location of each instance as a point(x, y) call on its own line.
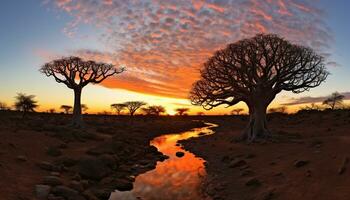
point(250, 156)
point(52, 180)
point(45, 166)
point(180, 154)
point(253, 182)
point(301, 163)
point(89, 195)
point(53, 197)
point(92, 168)
point(21, 158)
point(66, 161)
point(42, 191)
point(342, 167)
point(76, 185)
point(67, 193)
point(247, 173)
point(55, 174)
point(237, 163)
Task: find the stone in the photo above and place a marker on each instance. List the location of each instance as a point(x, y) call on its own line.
point(76, 185)
point(92, 168)
point(42, 191)
point(52, 180)
point(53, 151)
point(301, 163)
point(123, 184)
point(180, 154)
point(45, 166)
point(237, 163)
point(21, 158)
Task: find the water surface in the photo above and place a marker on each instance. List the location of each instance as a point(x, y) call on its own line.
point(175, 178)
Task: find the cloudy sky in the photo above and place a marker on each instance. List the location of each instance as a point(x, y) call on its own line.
point(162, 43)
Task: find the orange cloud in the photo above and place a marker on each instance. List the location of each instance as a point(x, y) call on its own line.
point(163, 43)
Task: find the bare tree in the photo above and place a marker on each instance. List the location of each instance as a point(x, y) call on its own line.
point(182, 111)
point(66, 108)
point(118, 107)
point(254, 71)
point(25, 103)
point(334, 100)
point(237, 111)
point(76, 74)
point(133, 106)
point(154, 110)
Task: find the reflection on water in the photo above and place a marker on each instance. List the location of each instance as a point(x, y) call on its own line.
point(173, 179)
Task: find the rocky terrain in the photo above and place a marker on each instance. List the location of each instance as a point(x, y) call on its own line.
point(42, 157)
point(308, 158)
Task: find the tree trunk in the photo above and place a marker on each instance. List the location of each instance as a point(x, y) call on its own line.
point(257, 126)
point(77, 118)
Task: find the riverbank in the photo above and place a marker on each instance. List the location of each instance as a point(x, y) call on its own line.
point(41, 154)
point(308, 160)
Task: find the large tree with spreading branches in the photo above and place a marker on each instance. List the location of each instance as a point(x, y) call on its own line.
point(254, 71)
point(76, 73)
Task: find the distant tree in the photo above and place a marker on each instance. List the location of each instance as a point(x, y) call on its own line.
point(3, 106)
point(334, 100)
point(66, 108)
point(182, 111)
point(25, 103)
point(154, 110)
point(76, 74)
point(200, 113)
point(133, 106)
point(84, 107)
point(118, 107)
point(281, 109)
point(52, 110)
point(237, 111)
point(254, 71)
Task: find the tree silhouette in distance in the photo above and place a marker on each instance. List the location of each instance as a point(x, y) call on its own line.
point(182, 111)
point(133, 106)
point(118, 107)
point(154, 110)
point(237, 111)
point(66, 108)
point(254, 71)
point(76, 73)
point(25, 103)
point(334, 100)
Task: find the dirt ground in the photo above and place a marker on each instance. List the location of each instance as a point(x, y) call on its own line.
point(26, 143)
point(307, 159)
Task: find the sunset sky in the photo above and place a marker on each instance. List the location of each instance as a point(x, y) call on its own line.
point(162, 43)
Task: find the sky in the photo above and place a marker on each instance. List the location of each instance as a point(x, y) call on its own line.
point(162, 44)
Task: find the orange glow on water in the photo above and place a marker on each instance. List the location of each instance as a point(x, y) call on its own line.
point(175, 178)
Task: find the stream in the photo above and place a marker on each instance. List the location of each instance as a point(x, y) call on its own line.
point(176, 178)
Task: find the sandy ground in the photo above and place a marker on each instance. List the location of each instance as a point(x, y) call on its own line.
point(307, 160)
point(26, 143)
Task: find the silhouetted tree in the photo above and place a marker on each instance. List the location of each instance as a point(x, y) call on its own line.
point(237, 111)
point(118, 107)
point(133, 106)
point(76, 74)
point(66, 108)
point(182, 111)
point(84, 107)
point(281, 109)
point(25, 103)
point(254, 71)
point(200, 113)
point(334, 100)
point(3, 106)
point(154, 110)
point(52, 110)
